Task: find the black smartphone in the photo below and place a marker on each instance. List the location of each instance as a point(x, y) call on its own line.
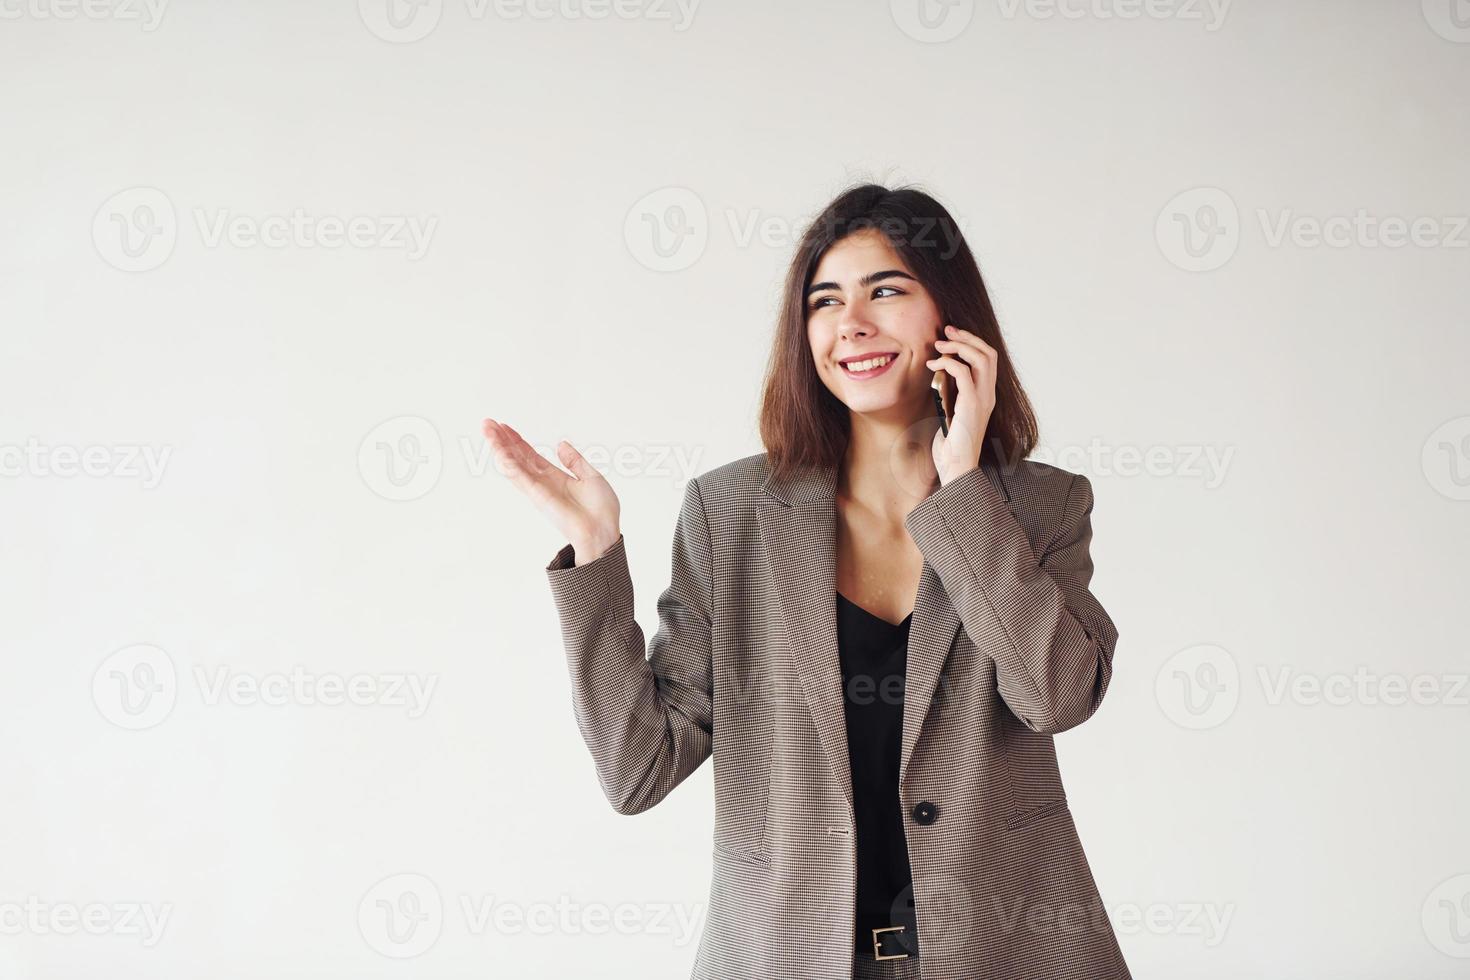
point(943, 397)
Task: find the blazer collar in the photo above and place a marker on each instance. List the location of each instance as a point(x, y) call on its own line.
point(798, 523)
point(816, 484)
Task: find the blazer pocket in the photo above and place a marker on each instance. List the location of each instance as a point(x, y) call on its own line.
point(742, 855)
point(1030, 815)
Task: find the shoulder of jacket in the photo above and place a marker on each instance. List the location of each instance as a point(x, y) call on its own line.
point(1032, 478)
point(738, 479)
point(746, 473)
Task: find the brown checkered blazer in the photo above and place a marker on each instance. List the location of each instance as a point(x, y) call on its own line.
point(1006, 648)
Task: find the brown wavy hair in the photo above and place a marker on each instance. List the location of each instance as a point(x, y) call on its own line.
point(801, 422)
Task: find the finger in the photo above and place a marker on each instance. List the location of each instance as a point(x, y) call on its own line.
point(966, 389)
point(575, 461)
point(527, 469)
point(960, 333)
point(988, 357)
point(495, 434)
point(526, 453)
point(968, 353)
point(509, 463)
point(983, 366)
point(953, 366)
point(977, 349)
point(500, 440)
point(517, 443)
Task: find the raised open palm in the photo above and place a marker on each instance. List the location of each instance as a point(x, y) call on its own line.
point(581, 504)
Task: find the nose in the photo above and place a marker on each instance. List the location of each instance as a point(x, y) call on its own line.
point(853, 324)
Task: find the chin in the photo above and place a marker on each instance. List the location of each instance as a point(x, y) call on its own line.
point(870, 406)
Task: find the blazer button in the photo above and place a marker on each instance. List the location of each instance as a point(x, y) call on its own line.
point(925, 812)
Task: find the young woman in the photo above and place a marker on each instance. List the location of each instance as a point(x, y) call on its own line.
point(875, 627)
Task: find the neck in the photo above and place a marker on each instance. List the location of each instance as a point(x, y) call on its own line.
point(888, 468)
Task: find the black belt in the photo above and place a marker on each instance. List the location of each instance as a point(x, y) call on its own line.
point(895, 942)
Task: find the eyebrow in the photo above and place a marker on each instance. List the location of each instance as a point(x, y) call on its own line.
point(867, 280)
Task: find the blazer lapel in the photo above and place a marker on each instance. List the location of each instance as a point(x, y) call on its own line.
point(798, 524)
point(798, 527)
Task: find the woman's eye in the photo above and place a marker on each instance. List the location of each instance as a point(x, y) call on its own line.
point(817, 303)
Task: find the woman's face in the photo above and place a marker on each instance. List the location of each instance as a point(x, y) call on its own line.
point(864, 303)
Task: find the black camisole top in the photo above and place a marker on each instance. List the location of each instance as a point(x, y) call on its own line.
point(874, 655)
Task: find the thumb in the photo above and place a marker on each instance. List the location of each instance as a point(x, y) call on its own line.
point(574, 461)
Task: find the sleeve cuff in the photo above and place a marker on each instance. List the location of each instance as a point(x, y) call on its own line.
point(565, 559)
point(971, 493)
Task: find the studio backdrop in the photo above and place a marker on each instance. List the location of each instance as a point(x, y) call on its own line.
point(285, 690)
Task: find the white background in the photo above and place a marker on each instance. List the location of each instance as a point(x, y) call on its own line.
point(606, 207)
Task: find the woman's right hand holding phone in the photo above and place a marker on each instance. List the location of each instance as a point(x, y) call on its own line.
point(581, 504)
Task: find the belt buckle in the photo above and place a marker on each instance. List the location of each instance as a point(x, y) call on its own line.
point(878, 949)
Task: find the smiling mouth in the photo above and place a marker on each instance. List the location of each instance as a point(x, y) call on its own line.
point(873, 366)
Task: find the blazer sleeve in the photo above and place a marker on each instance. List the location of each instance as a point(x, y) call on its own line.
point(648, 721)
point(1051, 639)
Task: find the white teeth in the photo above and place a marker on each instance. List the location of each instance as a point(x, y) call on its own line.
point(857, 367)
